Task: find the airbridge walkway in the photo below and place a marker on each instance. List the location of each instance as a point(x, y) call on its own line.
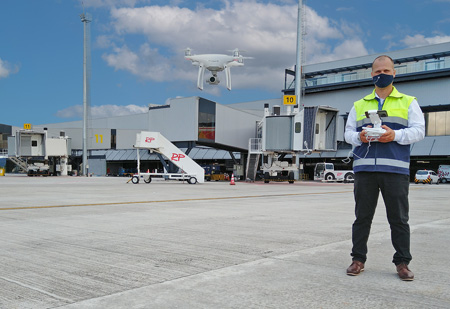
point(98, 242)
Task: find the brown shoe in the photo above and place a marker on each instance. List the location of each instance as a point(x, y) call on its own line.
point(356, 268)
point(404, 273)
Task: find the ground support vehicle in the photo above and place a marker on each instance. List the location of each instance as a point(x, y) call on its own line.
point(444, 173)
point(38, 169)
point(279, 171)
point(147, 177)
point(154, 141)
point(214, 172)
point(325, 172)
point(426, 176)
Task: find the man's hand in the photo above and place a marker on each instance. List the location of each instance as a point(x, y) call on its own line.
point(388, 136)
point(363, 135)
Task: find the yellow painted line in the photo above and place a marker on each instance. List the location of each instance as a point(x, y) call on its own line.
point(178, 200)
point(182, 200)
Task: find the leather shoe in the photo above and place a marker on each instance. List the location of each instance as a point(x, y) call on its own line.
point(356, 268)
point(404, 273)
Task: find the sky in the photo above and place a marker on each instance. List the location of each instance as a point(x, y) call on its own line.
point(137, 48)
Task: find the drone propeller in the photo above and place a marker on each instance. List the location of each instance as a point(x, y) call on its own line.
point(237, 52)
point(187, 51)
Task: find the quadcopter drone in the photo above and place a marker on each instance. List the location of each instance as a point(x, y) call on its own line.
point(215, 63)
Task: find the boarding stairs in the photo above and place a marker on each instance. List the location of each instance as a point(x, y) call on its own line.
point(254, 153)
point(156, 142)
point(20, 163)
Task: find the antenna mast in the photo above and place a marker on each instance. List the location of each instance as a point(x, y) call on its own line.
point(86, 87)
point(298, 67)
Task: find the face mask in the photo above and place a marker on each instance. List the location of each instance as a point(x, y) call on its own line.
point(383, 80)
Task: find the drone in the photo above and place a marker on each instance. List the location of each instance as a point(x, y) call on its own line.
point(215, 63)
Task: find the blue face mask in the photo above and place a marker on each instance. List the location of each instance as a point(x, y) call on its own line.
point(383, 80)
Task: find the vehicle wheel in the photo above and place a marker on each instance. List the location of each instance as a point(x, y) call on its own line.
point(349, 177)
point(444, 180)
point(329, 177)
point(148, 180)
point(266, 177)
point(192, 180)
point(135, 179)
point(291, 177)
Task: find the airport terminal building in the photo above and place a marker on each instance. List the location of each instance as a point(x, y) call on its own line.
point(212, 133)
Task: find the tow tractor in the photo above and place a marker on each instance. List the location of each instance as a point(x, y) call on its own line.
point(325, 172)
point(156, 142)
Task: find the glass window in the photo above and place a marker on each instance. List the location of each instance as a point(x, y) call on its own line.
point(430, 124)
point(401, 69)
point(434, 65)
point(437, 123)
point(206, 120)
point(348, 76)
point(113, 138)
point(440, 123)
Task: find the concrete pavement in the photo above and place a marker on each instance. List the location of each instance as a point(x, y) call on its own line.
point(100, 242)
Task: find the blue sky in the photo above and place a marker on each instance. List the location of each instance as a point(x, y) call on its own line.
point(137, 48)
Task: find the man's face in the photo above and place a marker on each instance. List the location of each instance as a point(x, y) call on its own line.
point(383, 66)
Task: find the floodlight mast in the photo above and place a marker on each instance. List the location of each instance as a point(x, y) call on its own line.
point(298, 67)
point(85, 21)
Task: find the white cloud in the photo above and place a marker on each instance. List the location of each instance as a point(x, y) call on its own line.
point(6, 69)
point(102, 111)
point(347, 49)
point(421, 40)
point(146, 63)
point(112, 3)
point(266, 30)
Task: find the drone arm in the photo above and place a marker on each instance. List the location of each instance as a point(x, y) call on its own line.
point(201, 72)
point(228, 77)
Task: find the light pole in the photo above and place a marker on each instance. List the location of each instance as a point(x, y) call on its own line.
point(86, 55)
point(298, 67)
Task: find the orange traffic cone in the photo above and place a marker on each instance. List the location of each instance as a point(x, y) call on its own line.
point(232, 180)
point(148, 170)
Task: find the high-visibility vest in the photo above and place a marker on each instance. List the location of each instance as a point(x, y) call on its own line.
point(383, 157)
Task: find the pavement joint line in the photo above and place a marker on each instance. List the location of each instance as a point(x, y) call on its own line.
point(177, 200)
point(37, 289)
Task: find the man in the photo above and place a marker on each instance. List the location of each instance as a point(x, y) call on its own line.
point(383, 165)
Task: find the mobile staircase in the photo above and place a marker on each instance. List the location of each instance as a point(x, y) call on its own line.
point(20, 163)
point(254, 153)
point(156, 142)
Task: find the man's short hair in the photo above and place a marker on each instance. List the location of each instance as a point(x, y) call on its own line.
point(381, 57)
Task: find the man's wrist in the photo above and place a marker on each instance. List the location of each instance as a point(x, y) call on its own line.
point(358, 137)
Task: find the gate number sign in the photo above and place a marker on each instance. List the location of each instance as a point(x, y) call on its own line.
point(289, 100)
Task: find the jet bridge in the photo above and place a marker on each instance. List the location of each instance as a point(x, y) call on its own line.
point(155, 141)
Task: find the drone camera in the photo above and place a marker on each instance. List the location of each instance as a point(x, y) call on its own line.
point(213, 80)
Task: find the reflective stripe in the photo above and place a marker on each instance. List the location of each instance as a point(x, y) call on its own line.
point(388, 162)
point(397, 120)
point(364, 162)
point(392, 162)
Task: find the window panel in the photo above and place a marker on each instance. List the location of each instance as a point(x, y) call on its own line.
point(430, 124)
point(447, 123)
point(440, 123)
